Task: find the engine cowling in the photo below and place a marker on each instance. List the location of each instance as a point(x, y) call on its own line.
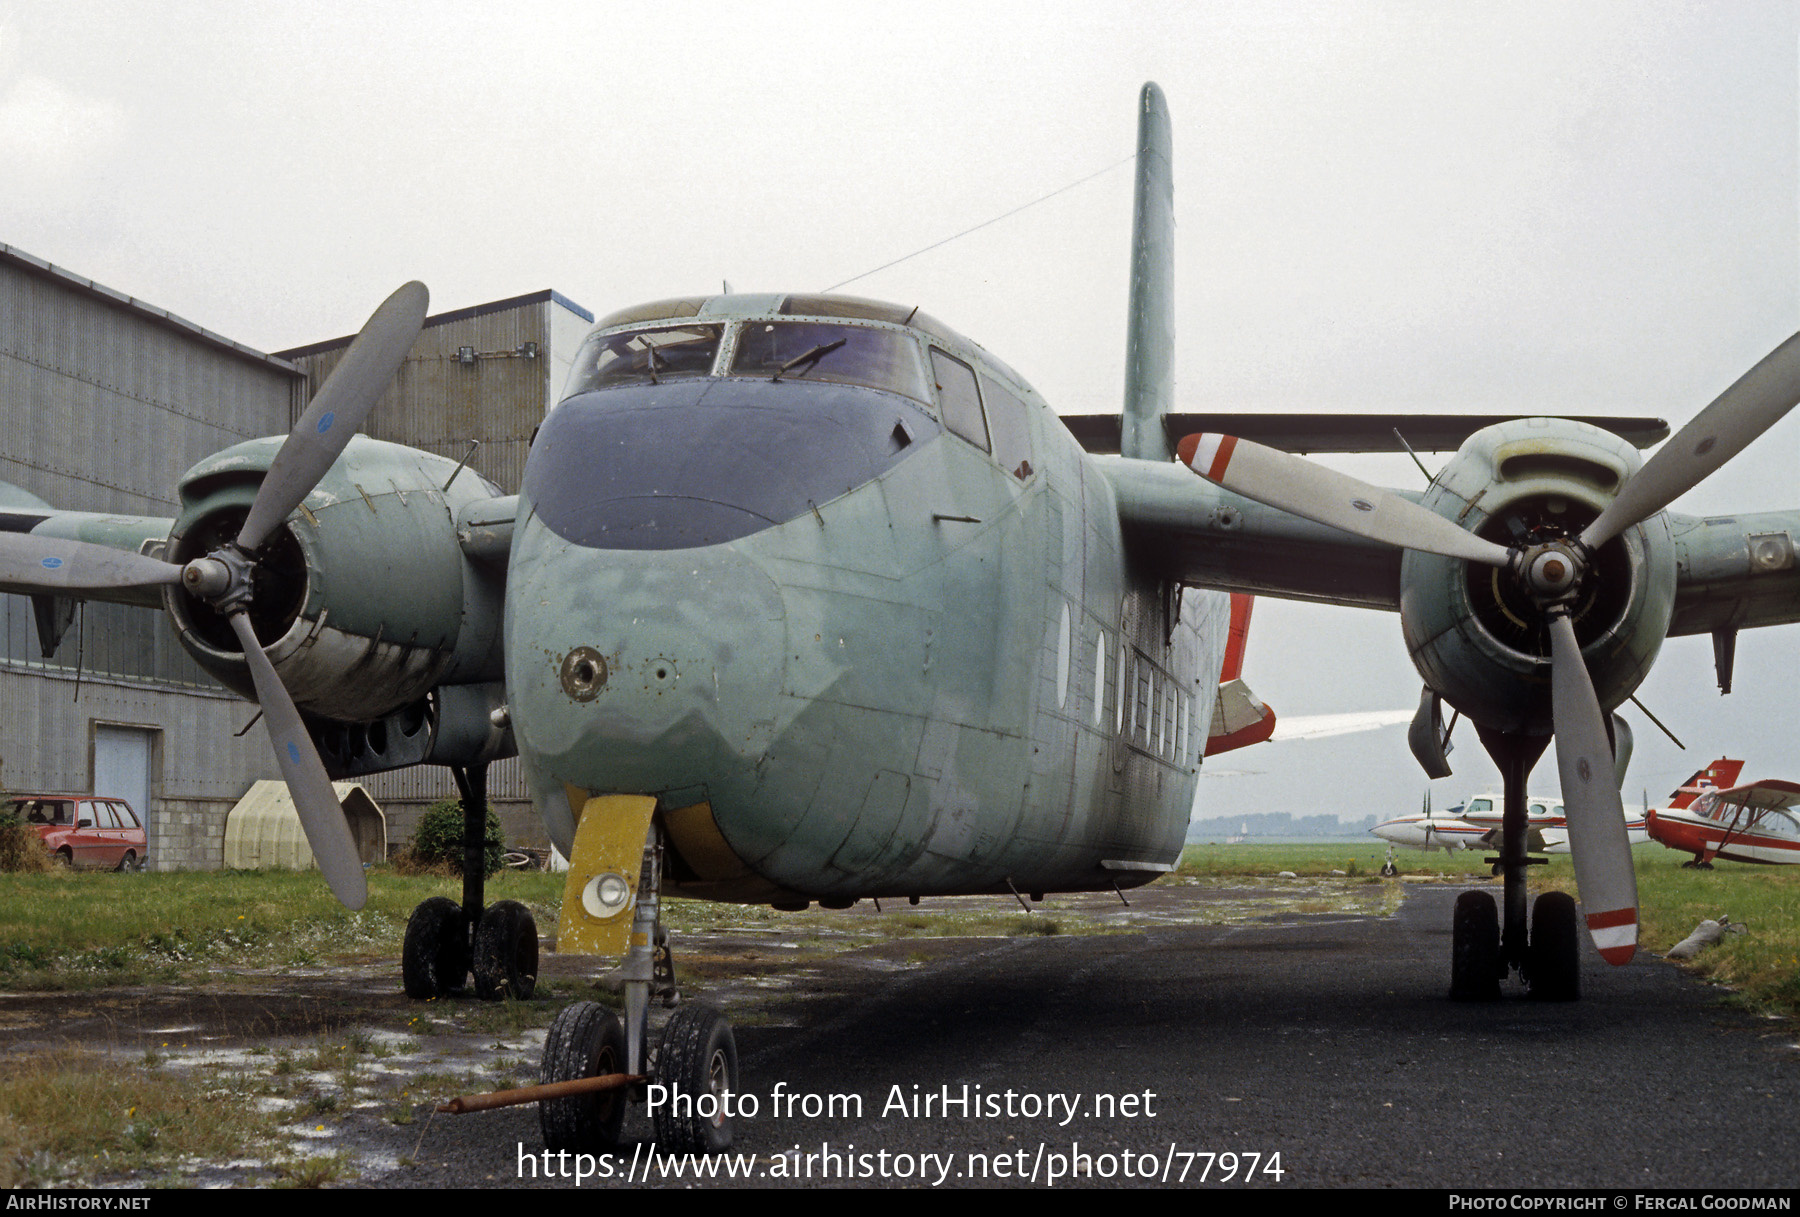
point(1472, 633)
point(364, 601)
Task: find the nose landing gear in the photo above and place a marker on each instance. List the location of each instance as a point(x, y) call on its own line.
point(687, 1080)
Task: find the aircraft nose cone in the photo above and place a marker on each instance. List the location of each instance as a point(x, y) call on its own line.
point(632, 673)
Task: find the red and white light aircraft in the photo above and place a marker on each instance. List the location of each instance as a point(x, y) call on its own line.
point(1758, 822)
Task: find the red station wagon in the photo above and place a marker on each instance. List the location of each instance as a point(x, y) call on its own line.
point(92, 832)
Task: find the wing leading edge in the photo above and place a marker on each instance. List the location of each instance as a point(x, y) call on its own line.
point(1187, 530)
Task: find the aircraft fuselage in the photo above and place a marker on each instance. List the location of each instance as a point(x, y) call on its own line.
point(863, 628)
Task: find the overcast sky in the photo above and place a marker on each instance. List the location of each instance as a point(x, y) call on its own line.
point(1567, 208)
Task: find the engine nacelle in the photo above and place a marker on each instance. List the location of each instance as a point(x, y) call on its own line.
point(1470, 629)
point(364, 601)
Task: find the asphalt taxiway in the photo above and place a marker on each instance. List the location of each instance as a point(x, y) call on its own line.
point(1324, 1038)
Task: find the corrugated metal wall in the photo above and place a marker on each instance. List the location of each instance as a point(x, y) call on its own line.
point(404, 794)
point(105, 407)
point(440, 403)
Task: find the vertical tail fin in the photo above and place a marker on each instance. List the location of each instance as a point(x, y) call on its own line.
point(1719, 775)
point(1239, 635)
point(1239, 716)
point(1150, 329)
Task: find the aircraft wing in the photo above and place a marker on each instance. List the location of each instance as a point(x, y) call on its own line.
point(1735, 572)
point(1187, 530)
point(23, 514)
point(1319, 726)
point(1315, 433)
point(1767, 795)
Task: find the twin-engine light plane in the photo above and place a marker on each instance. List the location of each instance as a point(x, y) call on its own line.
point(808, 598)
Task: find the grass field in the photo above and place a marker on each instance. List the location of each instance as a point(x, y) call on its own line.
point(61, 930)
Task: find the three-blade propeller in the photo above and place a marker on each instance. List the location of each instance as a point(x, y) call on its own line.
point(1550, 575)
point(223, 577)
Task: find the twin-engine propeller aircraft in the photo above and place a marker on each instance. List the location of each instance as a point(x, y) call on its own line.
point(1422, 830)
point(808, 598)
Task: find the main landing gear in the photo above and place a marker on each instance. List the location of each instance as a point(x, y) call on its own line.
point(691, 1075)
point(1486, 946)
point(445, 940)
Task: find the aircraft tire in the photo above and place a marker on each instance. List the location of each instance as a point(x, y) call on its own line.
point(434, 959)
point(585, 1041)
point(698, 1063)
point(506, 952)
point(1475, 949)
point(1555, 951)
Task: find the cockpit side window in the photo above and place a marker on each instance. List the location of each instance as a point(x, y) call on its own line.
point(959, 399)
point(1009, 418)
point(644, 356)
point(845, 354)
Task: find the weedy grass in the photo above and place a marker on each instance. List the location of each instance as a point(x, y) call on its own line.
point(1762, 964)
point(314, 1172)
point(63, 930)
point(72, 1115)
point(1353, 858)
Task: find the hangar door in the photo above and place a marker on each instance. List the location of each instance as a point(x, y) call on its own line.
point(122, 769)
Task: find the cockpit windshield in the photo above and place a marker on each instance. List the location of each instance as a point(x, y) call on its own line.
point(847, 354)
point(647, 356)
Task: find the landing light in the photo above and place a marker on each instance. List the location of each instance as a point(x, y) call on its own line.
point(605, 895)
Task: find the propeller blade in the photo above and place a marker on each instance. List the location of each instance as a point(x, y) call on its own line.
point(337, 411)
point(1736, 418)
point(1596, 819)
point(320, 813)
point(57, 565)
point(1326, 496)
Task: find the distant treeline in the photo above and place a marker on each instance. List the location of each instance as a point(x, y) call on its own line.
point(1277, 824)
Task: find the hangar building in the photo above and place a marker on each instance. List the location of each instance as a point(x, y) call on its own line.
point(105, 401)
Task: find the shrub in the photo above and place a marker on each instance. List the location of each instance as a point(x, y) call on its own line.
point(21, 849)
point(438, 839)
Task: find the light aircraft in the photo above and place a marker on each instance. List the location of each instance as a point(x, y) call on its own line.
point(1478, 824)
point(1547, 824)
point(808, 598)
point(1710, 817)
point(1423, 831)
